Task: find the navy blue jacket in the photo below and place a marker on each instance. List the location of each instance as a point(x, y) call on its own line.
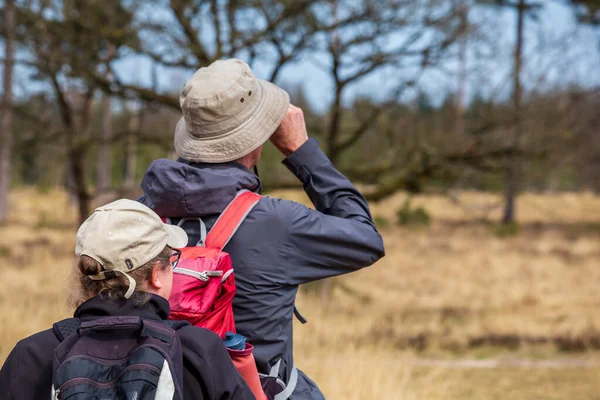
point(280, 245)
point(208, 372)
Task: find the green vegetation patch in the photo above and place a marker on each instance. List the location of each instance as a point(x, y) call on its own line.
point(415, 217)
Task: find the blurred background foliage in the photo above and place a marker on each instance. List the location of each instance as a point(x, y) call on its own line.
point(91, 90)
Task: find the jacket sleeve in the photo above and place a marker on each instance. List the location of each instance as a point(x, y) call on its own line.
point(27, 372)
point(8, 375)
point(336, 238)
point(209, 372)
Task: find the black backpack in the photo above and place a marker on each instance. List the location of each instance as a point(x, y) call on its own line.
point(125, 358)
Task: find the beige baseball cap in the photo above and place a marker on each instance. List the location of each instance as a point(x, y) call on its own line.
point(227, 113)
point(124, 235)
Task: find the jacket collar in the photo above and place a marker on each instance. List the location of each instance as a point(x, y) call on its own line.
point(194, 190)
point(157, 308)
point(231, 164)
point(240, 176)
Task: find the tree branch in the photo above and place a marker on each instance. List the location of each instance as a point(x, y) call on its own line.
point(121, 90)
point(359, 132)
point(195, 45)
point(296, 8)
point(214, 9)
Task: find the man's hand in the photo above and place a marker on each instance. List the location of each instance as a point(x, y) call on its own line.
point(291, 134)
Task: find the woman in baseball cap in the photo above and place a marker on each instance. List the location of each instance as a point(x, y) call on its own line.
point(124, 252)
point(120, 343)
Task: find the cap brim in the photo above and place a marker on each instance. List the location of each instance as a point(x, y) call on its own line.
point(256, 129)
point(178, 239)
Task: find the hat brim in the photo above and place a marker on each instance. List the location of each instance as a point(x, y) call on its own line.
point(273, 104)
point(177, 239)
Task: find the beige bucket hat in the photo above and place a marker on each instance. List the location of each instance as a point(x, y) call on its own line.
point(227, 113)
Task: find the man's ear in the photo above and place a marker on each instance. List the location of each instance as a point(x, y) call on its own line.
point(155, 281)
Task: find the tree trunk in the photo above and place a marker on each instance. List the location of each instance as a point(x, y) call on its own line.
point(131, 150)
point(334, 128)
point(75, 151)
point(331, 142)
point(104, 152)
point(6, 133)
point(103, 164)
point(511, 185)
point(326, 286)
point(77, 154)
point(77, 169)
point(462, 71)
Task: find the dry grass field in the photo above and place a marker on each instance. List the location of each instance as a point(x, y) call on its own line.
point(452, 312)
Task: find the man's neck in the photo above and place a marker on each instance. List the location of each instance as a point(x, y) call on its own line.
point(246, 163)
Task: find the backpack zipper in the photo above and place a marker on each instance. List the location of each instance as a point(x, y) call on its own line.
point(203, 276)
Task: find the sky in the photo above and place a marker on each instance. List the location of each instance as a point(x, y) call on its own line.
point(565, 53)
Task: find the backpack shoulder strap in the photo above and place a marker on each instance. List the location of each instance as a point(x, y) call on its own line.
point(175, 325)
point(231, 219)
point(65, 328)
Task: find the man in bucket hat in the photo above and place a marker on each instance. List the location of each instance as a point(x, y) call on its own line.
point(228, 115)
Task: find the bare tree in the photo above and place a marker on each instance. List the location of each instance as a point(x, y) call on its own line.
point(134, 126)
point(512, 175)
point(359, 50)
point(6, 133)
point(66, 43)
point(461, 87)
point(286, 30)
point(104, 161)
point(511, 185)
point(421, 41)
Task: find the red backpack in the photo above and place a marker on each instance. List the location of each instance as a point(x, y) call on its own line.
point(203, 281)
point(204, 284)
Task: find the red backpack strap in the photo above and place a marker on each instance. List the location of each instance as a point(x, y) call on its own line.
point(231, 219)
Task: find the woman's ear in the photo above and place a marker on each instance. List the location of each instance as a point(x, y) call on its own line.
point(156, 283)
point(161, 281)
